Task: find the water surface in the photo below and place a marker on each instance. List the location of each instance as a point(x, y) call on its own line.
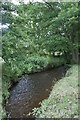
point(31, 90)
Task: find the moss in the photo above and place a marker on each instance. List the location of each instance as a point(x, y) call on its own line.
point(63, 99)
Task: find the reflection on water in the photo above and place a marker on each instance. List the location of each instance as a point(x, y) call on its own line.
point(31, 90)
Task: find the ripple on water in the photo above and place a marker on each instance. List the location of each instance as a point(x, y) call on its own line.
point(31, 90)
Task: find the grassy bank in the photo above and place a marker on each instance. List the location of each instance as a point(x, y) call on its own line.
point(63, 99)
point(0, 98)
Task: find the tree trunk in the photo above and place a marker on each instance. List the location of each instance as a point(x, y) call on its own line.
point(74, 51)
point(75, 56)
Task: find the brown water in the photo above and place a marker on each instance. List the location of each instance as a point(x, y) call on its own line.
point(31, 90)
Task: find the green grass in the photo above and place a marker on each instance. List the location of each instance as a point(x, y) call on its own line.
point(0, 98)
point(0, 89)
point(63, 99)
point(2, 110)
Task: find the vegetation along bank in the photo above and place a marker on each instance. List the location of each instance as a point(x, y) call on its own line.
point(63, 99)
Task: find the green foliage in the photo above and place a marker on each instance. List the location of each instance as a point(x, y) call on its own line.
point(35, 33)
point(3, 114)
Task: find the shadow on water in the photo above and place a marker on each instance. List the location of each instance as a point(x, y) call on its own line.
point(30, 91)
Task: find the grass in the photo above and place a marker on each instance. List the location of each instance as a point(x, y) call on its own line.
point(63, 99)
point(0, 99)
point(0, 90)
point(2, 110)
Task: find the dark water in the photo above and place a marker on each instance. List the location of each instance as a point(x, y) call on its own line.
point(31, 90)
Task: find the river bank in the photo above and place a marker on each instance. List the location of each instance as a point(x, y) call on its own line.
point(63, 99)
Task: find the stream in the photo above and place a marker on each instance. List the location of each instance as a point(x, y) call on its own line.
point(31, 90)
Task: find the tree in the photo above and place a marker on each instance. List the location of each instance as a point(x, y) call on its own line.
point(38, 27)
point(68, 21)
